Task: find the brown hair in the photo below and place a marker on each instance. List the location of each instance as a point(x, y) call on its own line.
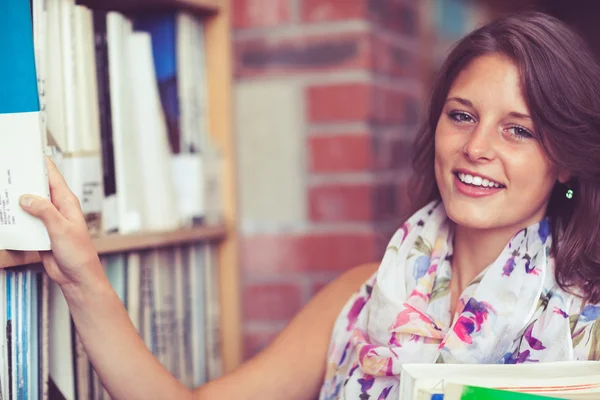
point(560, 80)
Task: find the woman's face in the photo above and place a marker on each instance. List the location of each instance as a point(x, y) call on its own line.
point(489, 166)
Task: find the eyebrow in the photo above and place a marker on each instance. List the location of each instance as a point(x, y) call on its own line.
point(468, 103)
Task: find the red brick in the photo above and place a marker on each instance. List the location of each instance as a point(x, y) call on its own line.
point(340, 153)
point(333, 10)
point(391, 152)
point(392, 59)
point(398, 16)
point(331, 252)
point(260, 13)
point(314, 53)
point(271, 301)
point(254, 342)
point(339, 102)
point(360, 102)
point(341, 202)
point(393, 106)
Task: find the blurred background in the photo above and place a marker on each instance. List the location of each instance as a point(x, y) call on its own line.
point(328, 98)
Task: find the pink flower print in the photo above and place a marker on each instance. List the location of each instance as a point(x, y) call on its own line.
point(421, 267)
point(544, 230)
point(395, 340)
point(384, 394)
point(354, 312)
point(560, 312)
point(519, 359)
point(534, 343)
point(344, 354)
point(366, 384)
point(530, 268)
point(510, 264)
point(472, 317)
point(590, 313)
point(524, 357)
point(409, 314)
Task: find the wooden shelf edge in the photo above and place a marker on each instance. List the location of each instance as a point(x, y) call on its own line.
point(124, 243)
point(199, 6)
point(152, 240)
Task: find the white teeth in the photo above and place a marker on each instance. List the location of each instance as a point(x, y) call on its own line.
point(477, 180)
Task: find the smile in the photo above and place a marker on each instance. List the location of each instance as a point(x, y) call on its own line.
point(475, 180)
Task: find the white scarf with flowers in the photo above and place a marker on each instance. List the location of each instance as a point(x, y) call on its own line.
point(513, 312)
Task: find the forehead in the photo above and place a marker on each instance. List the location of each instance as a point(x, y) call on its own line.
point(490, 80)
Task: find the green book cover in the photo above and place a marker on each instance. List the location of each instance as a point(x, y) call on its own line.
point(466, 392)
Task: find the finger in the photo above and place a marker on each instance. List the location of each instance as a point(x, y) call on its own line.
point(43, 209)
point(62, 197)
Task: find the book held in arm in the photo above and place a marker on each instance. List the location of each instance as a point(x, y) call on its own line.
point(22, 134)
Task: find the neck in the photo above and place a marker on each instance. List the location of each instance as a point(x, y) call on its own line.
point(474, 250)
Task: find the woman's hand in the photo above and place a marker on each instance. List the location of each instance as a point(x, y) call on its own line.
point(73, 262)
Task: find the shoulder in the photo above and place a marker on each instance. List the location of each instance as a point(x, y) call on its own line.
point(337, 297)
point(353, 279)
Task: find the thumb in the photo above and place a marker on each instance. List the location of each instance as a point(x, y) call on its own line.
point(43, 209)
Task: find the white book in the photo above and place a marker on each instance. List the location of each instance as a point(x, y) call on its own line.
point(198, 285)
point(45, 337)
point(53, 68)
point(22, 163)
point(70, 77)
point(159, 204)
point(134, 293)
point(179, 347)
point(126, 149)
point(147, 301)
point(3, 350)
point(192, 85)
point(61, 343)
point(88, 116)
point(213, 315)
point(192, 89)
point(34, 346)
point(553, 378)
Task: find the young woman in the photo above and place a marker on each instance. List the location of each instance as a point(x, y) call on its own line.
point(499, 264)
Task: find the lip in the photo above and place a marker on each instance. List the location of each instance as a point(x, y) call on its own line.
point(474, 191)
point(466, 171)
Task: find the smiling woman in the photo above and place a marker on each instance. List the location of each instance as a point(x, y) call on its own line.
point(518, 103)
point(500, 262)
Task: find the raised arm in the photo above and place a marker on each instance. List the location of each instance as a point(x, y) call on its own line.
point(127, 368)
point(292, 367)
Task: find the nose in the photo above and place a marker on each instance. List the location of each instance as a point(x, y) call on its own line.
point(479, 143)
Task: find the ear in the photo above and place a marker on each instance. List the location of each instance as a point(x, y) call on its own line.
point(564, 176)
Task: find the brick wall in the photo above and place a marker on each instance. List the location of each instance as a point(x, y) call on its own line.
point(327, 100)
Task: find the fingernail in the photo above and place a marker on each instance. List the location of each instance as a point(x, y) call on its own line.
point(25, 201)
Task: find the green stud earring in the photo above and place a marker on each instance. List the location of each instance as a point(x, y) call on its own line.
point(569, 194)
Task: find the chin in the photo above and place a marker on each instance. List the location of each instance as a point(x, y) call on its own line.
point(472, 217)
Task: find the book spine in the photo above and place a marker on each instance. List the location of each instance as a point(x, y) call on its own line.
point(103, 77)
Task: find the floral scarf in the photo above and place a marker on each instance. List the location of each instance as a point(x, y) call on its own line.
point(512, 312)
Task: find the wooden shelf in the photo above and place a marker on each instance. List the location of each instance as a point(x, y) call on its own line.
point(200, 6)
point(123, 243)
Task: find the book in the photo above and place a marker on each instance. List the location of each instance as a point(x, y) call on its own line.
point(560, 379)
point(22, 162)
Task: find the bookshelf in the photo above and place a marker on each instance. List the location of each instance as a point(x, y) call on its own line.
point(199, 6)
point(126, 243)
point(216, 15)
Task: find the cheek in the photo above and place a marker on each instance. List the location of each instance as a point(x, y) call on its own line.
point(532, 171)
